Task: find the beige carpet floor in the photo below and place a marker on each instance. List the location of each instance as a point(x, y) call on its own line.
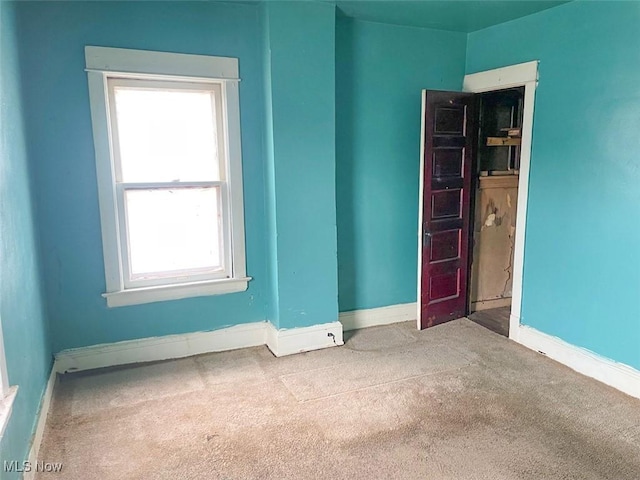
point(453, 402)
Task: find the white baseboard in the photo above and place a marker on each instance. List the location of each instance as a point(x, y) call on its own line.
point(378, 316)
point(605, 370)
point(280, 342)
point(45, 404)
point(161, 348)
point(514, 327)
point(296, 340)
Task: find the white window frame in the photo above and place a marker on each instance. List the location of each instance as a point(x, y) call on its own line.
point(221, 73)
point(220, 185)
point(7, 393)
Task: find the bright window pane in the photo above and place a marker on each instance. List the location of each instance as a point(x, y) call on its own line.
point(166, 135)
point(173, 229)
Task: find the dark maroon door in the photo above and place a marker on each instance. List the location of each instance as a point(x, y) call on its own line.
point(449, 135)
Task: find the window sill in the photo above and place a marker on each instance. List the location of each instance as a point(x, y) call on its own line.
point(6, 404)
point(136, 296)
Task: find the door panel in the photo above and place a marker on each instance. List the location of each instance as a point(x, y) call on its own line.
point(444, 246)
point(447, 162)
point(446, 204)
point(449, 136)
point(444, 287)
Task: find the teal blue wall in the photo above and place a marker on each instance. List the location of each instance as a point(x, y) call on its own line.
point(582, 252)
point(301, 110)
point(22, 310)
point(52, 39)
point(380, 72)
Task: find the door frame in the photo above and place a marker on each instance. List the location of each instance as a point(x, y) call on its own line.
point(520, 75)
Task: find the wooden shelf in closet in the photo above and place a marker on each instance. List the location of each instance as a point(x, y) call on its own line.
point(503, 141)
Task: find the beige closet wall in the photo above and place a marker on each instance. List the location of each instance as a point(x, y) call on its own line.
point(494, 236)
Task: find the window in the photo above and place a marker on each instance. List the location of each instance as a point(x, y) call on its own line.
point(167, 138)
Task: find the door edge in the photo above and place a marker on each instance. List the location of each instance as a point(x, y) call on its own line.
point(420, 200)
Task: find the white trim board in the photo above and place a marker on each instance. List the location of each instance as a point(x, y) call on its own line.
point(280, 342)
point(4, 377)
point(6, 407)
point(42, 415)
point(605, 370)
point(500, 78)
point(523, 74)
point(423, 111)
point(125, 60)
point(161, 348)
point(297, 340)
point(371, 317)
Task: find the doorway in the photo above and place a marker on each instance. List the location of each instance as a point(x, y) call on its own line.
point(464, 107)
point(494, 202)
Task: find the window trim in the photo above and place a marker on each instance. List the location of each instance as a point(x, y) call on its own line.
point(7, 393)
point(103, 63)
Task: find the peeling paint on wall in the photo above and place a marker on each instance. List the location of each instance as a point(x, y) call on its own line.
point(494, 240)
